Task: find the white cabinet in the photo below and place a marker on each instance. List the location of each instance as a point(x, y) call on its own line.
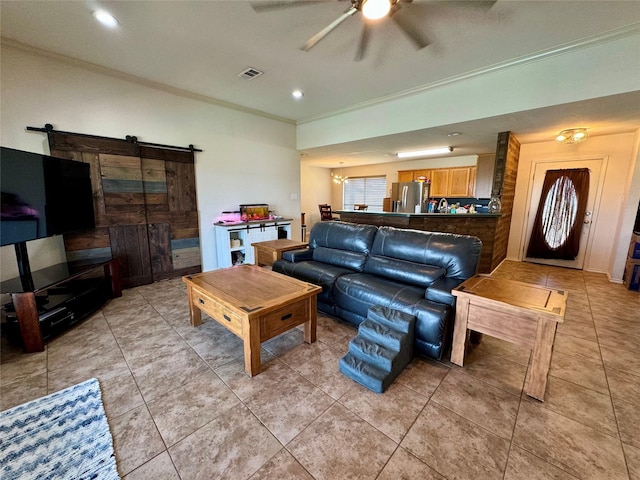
point(233, 242)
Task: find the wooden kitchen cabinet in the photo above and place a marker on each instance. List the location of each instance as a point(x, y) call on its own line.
point(445, 182)
point(405, 176)
point(413, 175)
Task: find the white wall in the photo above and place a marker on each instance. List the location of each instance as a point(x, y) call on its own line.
point(246, 158)
point(616, 210)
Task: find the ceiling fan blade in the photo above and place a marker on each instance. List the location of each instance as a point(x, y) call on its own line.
point(325, 31)
point(267, 5)
point(409, 30)
point(364, 42)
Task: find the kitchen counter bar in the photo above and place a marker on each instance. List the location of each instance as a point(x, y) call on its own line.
point(481, 225)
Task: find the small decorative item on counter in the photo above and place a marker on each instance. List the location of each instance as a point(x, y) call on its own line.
point(472, 209)
point(432, 206)
point(495, 205)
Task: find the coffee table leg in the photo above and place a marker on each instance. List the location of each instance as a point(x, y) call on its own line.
point(252, 348)
point(195, 315)
point(536, 383)
point(460, 332)
point(310, 325)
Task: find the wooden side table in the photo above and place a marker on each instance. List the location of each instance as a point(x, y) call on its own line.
point(517, 312)
point(268, 252)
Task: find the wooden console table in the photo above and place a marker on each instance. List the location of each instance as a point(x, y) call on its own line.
point(517, 312)
point(268, 252)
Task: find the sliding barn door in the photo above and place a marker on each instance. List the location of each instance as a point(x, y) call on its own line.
point(172, 213)
point(145, 207)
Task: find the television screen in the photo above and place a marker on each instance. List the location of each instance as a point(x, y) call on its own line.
point(42, 196)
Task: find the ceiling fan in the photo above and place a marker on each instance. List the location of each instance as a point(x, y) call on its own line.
point(370, 10)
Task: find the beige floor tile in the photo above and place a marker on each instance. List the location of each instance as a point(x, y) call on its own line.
point(339, 444)
point(404, 466)
point(504, 349)
point(616, 358)
point(581, 404)
point(282, 466)
point(624, 385)
point(106, 365)
point(158, 468)
point(456, 447)
point(181, 411)
point(524, 466)
point(322, 371)
point(135, 439)
point(289, 408)
point(588, 374)
point(284, 342)
point(622, 340)
point(160, 374)
point(273, 373)
point(580, 450)
point(496, 371)
point(577, 347)
point(628, 415)
point(120, 394)
point(584, 330)
point(17, 366)
point(483, 404)
point(22, 391)
point(84, 343)
point(423, 375)
point(392, 413)
point(233, 445)
point(632, 454)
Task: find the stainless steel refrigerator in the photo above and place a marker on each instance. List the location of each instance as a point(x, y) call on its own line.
point(406, 195)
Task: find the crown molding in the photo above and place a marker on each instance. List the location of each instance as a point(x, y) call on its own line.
point(7, 42)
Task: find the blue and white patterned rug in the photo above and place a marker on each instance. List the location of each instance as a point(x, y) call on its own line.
point(64, 435)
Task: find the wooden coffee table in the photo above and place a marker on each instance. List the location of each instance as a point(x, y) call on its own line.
point(255, 304)
point(517, 312)
point(271, 250)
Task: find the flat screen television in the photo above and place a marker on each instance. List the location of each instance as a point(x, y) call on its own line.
point(42, 196)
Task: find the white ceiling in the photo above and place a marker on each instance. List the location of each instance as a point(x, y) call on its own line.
point(201, 46)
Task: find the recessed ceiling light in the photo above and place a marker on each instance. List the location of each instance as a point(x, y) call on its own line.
point(454, 134)
point(105, 18)
point(297, 94)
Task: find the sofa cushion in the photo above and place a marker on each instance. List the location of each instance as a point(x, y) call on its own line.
point(320, 274)
point(457, 254)
point(341, 244)
point(404, 271)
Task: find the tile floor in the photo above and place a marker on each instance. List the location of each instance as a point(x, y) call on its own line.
point(180, 406)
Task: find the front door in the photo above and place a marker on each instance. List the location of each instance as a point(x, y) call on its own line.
point(595, 167)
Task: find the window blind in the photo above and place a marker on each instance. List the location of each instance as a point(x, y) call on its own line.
point(367, 190)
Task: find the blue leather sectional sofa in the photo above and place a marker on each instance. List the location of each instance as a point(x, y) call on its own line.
point(359, 266)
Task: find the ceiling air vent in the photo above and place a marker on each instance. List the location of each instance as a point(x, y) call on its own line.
point(250, 73)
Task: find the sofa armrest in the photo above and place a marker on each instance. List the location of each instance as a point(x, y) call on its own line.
point(440, 290)
point(298, 255)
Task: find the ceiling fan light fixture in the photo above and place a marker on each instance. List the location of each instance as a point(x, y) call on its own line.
point(424, 153)
point(375, 9)
point(572, 135)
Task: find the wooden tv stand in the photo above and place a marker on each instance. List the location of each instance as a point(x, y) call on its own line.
point(61, 296)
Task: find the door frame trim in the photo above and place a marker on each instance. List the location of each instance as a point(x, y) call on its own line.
point(604, 159)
